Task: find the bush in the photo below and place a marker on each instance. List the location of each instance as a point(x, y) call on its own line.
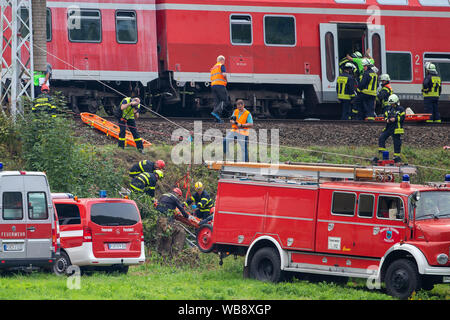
point(50, 145)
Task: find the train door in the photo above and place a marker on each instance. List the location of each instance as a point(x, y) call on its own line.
point(377, 44)
point(329, 60)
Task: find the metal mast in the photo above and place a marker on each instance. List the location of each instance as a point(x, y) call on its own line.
point(17, 54)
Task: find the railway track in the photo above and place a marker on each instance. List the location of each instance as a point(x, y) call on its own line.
point(282, 121)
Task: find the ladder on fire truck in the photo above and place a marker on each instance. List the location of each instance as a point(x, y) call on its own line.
point(309, 172)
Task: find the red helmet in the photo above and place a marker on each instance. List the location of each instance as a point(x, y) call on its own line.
point(178, 191)
point(160, 164)
point(45, 88)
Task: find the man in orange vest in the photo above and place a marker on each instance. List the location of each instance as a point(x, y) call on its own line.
point(241, 121)
point(219, 87)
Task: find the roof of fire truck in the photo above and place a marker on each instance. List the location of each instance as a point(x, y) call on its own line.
point(333, 176)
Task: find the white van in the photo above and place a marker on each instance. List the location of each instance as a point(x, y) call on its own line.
point(28, 230)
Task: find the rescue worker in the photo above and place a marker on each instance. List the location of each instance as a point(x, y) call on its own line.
point(358, 60)
point(202, 201)
point(146, 166)
point(368, 89)
point(394, 117)
point(431, 90)
point(170, 235)
point(385, 92)
point(346, 60)
point(130, 111)
point(44, 103)
point(146, 182)
point(219, 88)
point(346, 90)
point(40, 78)
point(241, 121)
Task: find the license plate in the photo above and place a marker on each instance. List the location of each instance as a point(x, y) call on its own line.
point(446, 279)
point(13, 247)
point(117, 246)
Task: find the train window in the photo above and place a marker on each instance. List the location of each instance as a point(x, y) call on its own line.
point(24, 24)
point(84, 25)
point(343, 203)
point(126, 27)
point(442, 63)
point(365, 205)
point(393, 2)
point(437, 3)
point(329, 53)
point(49, 25)
point(376, 50)
point(399, 66)
point(279, 30)
point(241, 29)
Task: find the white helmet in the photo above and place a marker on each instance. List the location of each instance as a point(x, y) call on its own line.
point(385, 77)
point(365, 62)
point(349, 65)
point(430, 66)
point(393, 99)
point(357, 54)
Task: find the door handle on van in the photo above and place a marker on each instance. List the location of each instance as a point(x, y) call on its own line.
point(32, 229)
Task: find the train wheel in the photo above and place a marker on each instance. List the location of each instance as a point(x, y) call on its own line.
point(204, 238)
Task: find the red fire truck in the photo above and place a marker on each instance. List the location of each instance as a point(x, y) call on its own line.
point(332, 220)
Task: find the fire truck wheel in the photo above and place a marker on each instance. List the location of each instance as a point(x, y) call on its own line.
point(402, 279)
point(204, 238)
point(61, 264)
point(265, 265)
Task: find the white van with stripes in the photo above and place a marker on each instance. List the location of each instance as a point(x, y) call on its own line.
point(28, 229)
point(98, 232)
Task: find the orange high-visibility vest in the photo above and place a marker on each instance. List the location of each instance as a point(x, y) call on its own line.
point(217, 77)
point(242, 120)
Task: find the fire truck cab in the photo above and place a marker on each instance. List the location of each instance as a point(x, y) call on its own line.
point(28, 228)
point(98, 232)
point(396, 233)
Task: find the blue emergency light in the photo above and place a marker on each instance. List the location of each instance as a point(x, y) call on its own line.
point(102, 193)
point(1, 166)
point(447, 177)
point(405, 178)
point(385, 155)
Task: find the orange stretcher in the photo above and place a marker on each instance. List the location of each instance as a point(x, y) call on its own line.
point(109, 128)
point(418, 117)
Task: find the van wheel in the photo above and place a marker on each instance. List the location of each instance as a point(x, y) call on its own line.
point(204, 238)
point(266, 265)
point(61, 264)
point(402, 279)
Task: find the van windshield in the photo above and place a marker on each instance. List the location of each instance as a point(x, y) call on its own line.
point(114, 214)
point(433, 204)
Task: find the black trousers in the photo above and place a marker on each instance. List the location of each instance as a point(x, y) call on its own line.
point(397, 138)
point(221, 98)
point(346, 109)
point(368, 106)
point(431, 105)
point(131, 123)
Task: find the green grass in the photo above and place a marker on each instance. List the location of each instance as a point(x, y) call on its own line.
point(209, 281)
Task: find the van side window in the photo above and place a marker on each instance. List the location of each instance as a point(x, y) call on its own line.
point(37, 206)
point(12, 206)
point(365, 205)
point(343, 203)
point(390, 208)
point(68, 214)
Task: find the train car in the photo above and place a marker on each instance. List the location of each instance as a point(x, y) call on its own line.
point(282, 55)
point(99, 40)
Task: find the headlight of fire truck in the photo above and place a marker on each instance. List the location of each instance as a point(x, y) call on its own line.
point(442, 259)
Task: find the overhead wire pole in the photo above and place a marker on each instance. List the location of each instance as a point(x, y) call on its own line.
point(17, 66)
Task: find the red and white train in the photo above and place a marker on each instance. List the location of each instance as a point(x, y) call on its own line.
point(282, 55)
